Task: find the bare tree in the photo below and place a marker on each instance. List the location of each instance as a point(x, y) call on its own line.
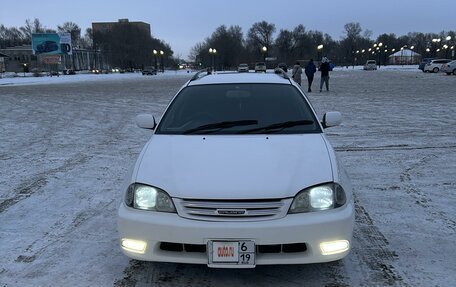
point(73, 29)
point(260, 35)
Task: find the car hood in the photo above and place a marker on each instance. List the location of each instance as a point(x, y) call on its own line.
point(234, 166)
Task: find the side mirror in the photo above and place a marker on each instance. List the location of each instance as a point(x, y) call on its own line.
point(145, 121)
point(331, 119)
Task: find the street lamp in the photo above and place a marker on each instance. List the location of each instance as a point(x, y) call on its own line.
point(264, 50)
point(162, 63)
point(379, 54)
point(212, 51)
point(435, 42)
point(155, 56)
point(402, 54)
point(319, 49)
point(25, 67)
point(448, 39)
point(411, 54)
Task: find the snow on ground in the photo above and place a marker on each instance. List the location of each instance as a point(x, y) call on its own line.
point(408, 68)
point(19, 79)
point(65, 148)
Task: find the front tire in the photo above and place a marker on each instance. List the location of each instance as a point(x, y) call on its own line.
point(454, 72)
point(435, 70)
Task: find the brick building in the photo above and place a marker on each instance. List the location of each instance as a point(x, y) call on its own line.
point(103, 27)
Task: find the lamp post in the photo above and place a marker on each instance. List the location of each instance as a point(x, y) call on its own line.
point(162, 63)
point(155, 58)
point(212, 51)
point(25, 67)
point(448, 39)
point(264, 50)
point(411, 54)
point(435, 42)
point(379, 48)
point(402, 54)
point(319, 51)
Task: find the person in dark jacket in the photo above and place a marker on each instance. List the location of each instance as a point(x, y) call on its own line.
point(310, 71)
point(324, 69)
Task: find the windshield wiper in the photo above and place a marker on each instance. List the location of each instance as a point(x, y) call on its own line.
point(221, 125)
point(278, 126)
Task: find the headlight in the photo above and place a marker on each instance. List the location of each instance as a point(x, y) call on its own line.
point(147, 197)
point(321, 197)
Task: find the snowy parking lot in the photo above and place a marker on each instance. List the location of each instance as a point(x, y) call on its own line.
point(66, 144)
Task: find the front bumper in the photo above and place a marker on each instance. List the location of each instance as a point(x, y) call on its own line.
point(309, 228)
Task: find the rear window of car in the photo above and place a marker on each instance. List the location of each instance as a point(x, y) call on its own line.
point(261, 104)
point(260, 64)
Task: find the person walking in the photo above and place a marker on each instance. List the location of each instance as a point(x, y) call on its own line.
point(324, 69)
point(296, 73)
point(310, 71)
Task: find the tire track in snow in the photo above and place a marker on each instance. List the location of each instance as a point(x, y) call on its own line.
point(420, 197)
point(372, 248)
point(28, 187)
point(391, 147)
point(60, 230)
point(141, 273)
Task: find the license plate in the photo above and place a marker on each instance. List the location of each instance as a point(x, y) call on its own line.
point(231, 253)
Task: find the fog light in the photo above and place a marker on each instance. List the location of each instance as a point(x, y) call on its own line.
point(334, 247)
point(136, 246)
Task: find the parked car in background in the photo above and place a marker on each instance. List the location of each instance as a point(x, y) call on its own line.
point(69, 72)
point(370, 65)
point(149, 71)
point(449, 68)
point(260, 67)
point(283, 66)
point(243, 68)
point(238, 173)
point(434, 66)
point(424, 62)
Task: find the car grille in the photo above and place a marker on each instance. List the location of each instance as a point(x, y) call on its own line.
point(201, 248)
point(232, 210)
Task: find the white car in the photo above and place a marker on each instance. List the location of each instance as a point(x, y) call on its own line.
point(434, 66)
point(237, 173)
point(243, 68)
point(370, 65)
point(449, 68)
point(260, 67)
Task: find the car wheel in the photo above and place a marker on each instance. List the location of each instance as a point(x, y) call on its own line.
point(454, 72)
point(435, 70)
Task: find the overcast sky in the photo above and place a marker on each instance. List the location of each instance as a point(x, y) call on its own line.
point(183, 23)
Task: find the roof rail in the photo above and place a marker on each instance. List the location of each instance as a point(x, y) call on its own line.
point(282, 73)
point(199, 74)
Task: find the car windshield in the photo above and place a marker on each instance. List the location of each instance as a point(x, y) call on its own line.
point(239, 109)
